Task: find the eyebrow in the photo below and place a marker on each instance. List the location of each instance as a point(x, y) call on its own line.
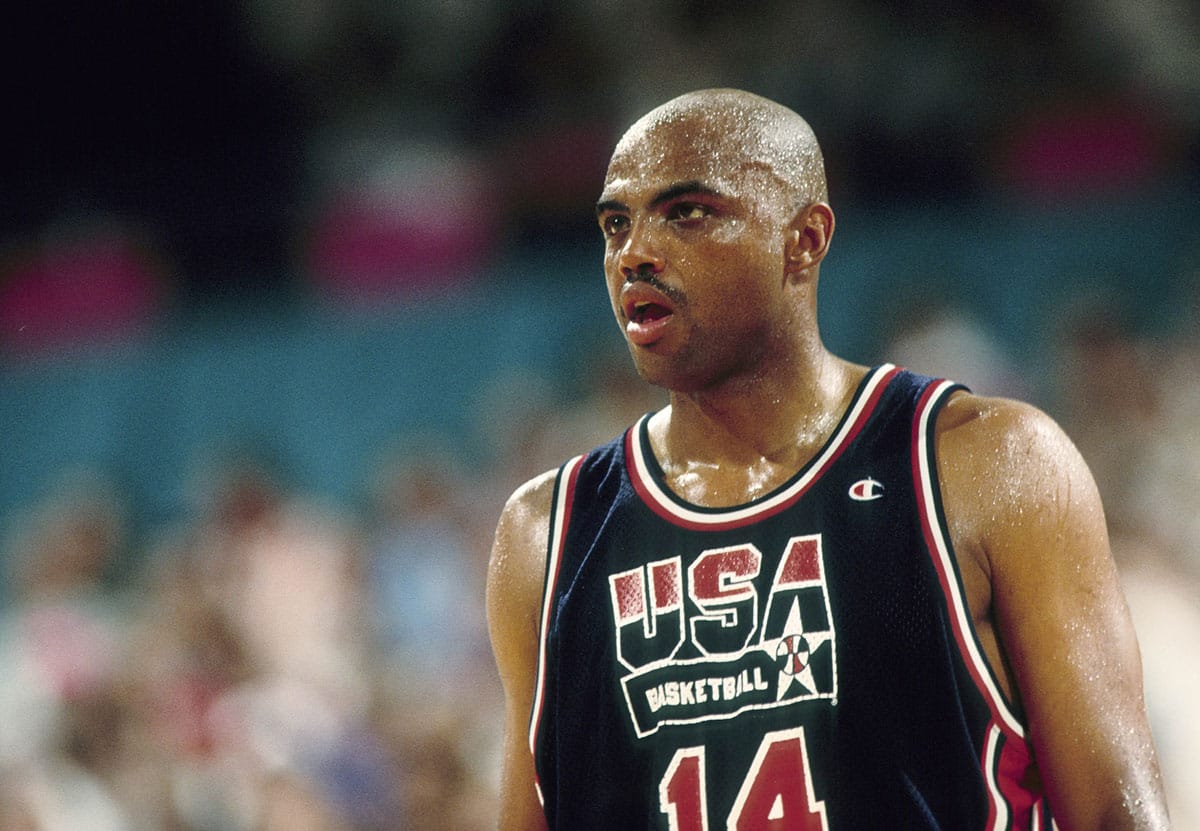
point(692, 186)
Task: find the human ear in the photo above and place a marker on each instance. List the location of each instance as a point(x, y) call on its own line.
point(809, 236)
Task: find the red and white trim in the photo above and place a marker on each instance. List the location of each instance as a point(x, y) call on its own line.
point(560, 518)
point(999, 813)
point(678, 512)
point(1006, 753)
point(936, 539)
point(1012, 806)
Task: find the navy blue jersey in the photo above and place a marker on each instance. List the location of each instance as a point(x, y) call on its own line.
point(802, 661)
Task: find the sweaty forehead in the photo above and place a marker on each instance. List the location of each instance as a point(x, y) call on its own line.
point(680, 150)
point(722, 141)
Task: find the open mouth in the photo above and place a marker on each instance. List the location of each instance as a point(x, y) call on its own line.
point(647, 312)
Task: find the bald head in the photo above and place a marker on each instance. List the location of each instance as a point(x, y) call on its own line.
point(738, 131)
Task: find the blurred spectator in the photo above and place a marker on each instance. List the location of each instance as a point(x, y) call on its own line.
point(1164, 600)
point(16, 812)
point(1168, 497)
point(424, 577)
point(606, 397)
point(1109, 404)
point(189, 658)
point(62, 641)
point(62, 631)
point(448, 749)
point(292, 804)
point(58, 796)
point(509, 419)
point(283, 571)
point(255, 662)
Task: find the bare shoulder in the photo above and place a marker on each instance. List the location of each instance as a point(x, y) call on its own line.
point(1013, 483)
point(995, 423)
point(526, 514)
point(518, 560)
point(1006, 461)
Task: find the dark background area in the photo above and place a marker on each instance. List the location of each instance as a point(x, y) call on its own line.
point(221, 131)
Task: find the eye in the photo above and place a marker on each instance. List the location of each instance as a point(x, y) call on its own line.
point(688, 211)
point(613, 224)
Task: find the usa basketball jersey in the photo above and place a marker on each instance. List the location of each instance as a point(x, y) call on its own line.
point(802, 661)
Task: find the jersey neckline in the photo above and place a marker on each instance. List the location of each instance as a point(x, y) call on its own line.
point(649, 482)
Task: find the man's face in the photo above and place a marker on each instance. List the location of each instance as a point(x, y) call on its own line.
point(694, 220)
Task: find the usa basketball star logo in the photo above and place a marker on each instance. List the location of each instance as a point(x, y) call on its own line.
point(707, 638)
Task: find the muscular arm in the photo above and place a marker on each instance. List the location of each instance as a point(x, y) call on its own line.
point(1027, 522)
point(514, 594)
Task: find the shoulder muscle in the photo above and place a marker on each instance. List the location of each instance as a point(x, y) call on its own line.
point(517, 566)
point(1027, 507)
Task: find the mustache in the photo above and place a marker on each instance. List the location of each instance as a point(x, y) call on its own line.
point(651, 279)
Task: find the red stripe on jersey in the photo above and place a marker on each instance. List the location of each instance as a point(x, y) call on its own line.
point(667, 584)
point(629, 596)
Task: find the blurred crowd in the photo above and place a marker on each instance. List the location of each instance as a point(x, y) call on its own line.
point(271, 662)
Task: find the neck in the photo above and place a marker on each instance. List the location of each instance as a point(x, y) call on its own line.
point(728, 445)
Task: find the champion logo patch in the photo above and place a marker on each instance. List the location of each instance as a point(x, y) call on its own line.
point(866, 490)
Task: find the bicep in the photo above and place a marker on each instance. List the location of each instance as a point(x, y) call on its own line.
point(514, 591)
point(1062, 617)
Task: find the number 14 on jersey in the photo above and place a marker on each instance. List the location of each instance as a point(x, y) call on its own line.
point(776, 793)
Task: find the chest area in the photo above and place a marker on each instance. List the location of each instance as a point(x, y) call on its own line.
point(697, 626)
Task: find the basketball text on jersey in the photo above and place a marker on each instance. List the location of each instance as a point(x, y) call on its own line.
point(749, 652)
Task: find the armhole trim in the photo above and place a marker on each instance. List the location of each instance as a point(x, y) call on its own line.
point(935, 531)
point(560, 515)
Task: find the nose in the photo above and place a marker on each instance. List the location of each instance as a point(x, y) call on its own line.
point(639, 255)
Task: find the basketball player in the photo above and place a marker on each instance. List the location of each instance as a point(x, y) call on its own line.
point(806, 594)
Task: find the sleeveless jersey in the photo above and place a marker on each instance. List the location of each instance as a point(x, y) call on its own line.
point(802, 661)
